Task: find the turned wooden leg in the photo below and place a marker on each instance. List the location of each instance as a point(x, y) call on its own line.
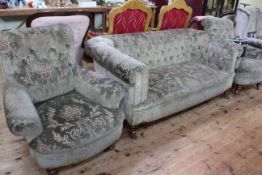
point(258, 85)
point(132, 132)
point(52, 171)
point(236, 89)
point(226, 94)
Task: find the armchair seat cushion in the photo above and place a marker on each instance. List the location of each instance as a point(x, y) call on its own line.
point(173, 87)
point(249, 72)
point(71, 123)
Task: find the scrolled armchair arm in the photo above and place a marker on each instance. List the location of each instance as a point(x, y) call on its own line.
point(103, 91)
point(21, 115)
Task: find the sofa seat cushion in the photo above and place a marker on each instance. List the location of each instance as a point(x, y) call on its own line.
point(249, 72)
point(71, 122)
point(173, 81)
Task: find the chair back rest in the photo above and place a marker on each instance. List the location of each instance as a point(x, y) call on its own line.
point(174, 16)
point(77, 21)
point(39, 60)
point(133, 16)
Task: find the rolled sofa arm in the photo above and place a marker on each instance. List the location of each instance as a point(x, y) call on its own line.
point(21, 115)
point(103, 91)
point(121, 65)
point(220, 55)
point(221, 27)
point(132, 72)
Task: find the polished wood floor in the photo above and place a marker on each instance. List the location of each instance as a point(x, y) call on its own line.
point(220, 137)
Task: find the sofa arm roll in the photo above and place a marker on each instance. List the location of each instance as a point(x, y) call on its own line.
point(119, 64)
point(21, 115)
point(103, 91)
point(221, 55)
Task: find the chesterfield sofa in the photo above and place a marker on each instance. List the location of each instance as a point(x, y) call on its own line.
point(166, 71)
point(66, 113)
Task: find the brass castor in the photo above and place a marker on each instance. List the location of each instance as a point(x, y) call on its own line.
point(258, 86)
point(132, 132)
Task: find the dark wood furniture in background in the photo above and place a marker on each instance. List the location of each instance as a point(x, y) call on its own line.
point(197, 6)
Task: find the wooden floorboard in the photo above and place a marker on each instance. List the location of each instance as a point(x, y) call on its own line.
point(220, 137)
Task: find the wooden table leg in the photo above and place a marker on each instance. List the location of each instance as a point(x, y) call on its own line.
point(104, 25)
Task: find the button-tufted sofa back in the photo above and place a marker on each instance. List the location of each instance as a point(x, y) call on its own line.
point(160, 48)
point(39, 60)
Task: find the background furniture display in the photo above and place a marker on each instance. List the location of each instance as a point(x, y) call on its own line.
point(66, 113)
point(176, 15)
point(132, 16)
point(78, 21)
point(187, 68)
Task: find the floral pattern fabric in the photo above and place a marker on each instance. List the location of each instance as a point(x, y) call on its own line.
point(39, 60)
point(70, 121)
point(178, 80)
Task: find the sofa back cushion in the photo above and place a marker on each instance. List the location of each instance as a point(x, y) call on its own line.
point(159, 48)
point(38, 59)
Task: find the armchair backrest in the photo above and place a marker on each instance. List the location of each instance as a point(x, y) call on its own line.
point(242, 21)
point(174, 16)
point(38, 59)
point(78, 21)
point(133, 16)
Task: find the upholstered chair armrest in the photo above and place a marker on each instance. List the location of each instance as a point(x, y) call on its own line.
point(220, 55)
point(254, 42)
point(21, 115)
point(103, 91)
point(129, 71)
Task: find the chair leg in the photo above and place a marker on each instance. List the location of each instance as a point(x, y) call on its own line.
point(132, 132)
point(52, 171)
point(236, 89)
point(258, 86)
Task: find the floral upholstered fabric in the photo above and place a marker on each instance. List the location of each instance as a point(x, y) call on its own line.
point(66, 113)
point(71, 120)
point(219, 26)
point(174, 19)
point(39, 60)
point(130, 21)
point(163, 65)
point(177, 80)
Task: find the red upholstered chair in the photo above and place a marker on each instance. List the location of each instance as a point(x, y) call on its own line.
point(174, 16)
point(132, 16)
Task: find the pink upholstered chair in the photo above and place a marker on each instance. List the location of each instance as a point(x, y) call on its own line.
point(174, 16)
point(78, 22)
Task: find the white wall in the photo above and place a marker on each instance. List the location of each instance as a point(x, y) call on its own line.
point(254, 3)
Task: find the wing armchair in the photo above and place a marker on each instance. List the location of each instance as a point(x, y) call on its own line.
point(65, 112)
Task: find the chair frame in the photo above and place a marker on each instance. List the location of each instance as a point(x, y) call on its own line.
point(30, 19)
point(177, 4)
point(131, 4)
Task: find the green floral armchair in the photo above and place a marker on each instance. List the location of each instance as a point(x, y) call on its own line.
point(66, 113)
